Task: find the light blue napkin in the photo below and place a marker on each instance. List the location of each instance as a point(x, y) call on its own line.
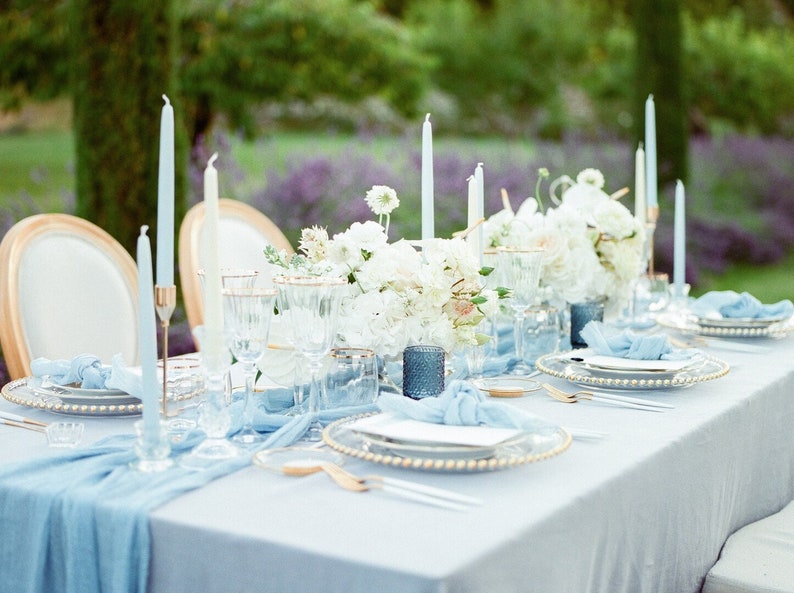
point(627, 344)
point(733, 305)
point(462, 404)
point(85, 369)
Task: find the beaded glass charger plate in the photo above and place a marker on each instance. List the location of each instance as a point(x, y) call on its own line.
point(518, 448)
point(71, 400)
point(772, 327)
point(569, 365)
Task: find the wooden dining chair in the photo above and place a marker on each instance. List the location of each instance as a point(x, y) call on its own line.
point(67, 287)
point(243, 234)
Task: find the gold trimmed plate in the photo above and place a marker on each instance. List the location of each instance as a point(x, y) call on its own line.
point(526, 448)
point(72, 402)
point(562, 366)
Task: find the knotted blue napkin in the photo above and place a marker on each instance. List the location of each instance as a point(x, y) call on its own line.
point(461, 404)
point(85, 369)
point(733, 305)
point(627, 344)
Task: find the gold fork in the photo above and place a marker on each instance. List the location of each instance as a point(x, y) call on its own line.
point(409, 490)
point(615, 400)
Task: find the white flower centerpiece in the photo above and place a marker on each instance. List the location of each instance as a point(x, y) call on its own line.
point(397, 296)
point(593, 245)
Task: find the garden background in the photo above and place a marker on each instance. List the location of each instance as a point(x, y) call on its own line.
point(311, 102)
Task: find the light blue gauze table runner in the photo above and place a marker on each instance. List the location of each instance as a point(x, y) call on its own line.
point(78, 522)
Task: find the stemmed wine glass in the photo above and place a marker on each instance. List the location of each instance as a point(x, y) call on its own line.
point(311, 309)
point(246, 314)
point(520, 270)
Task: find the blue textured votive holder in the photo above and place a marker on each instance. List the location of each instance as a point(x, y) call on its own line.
point(581, 315)
point(423, 371)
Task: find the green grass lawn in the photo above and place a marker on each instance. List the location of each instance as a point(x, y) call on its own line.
point(37, 167)
point(39, 164)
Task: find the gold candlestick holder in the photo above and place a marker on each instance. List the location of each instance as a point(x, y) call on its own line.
point(650, 231)
point(164, 304)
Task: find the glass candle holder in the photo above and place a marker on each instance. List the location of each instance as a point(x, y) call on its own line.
point(153, 451)
point(423, 371)
point(540, 331)
point(581, 315)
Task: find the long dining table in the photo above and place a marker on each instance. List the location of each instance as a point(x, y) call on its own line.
point(646, 508)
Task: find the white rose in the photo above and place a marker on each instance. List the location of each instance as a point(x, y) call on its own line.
point(614, 219)
point(343, 251)
point(369, 236)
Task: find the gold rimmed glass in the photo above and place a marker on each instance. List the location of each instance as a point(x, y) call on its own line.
point(310, 305)
point(247, 313)
point(234, 277)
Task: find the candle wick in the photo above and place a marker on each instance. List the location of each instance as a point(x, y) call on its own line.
point(213, 158)
point(144, 229)
point(167, 102)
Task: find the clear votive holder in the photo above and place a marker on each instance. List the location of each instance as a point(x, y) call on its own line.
point(65, 434)
point(423, 371)
point(651, 294)
point(351, 378)
point(153, 450)
point(582, 314)
point(540, 332)
point(183, 387)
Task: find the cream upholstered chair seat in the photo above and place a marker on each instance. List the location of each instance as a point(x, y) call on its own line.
point(243, 234)
point(758, 558)
point(66, 288)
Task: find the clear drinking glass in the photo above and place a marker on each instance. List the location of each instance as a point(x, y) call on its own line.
point(540, 332)
point(351, 378)
point(519, 269)
point(234, 277)
point(246, 317)
point(310, 305)
point(183, 391)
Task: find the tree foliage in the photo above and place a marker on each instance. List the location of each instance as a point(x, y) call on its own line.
point(659, 72)
point(239, 54)
point(33, 63)
point(507, 62)
point(123, 62)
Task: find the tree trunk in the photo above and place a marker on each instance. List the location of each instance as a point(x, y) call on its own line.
point(659, 71)
point(124, 61)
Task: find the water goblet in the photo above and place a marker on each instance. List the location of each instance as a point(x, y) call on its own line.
point(311, 308)
point(246, 314)
point(520, 270)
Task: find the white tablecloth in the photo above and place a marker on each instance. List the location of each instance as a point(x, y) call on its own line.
point(645, 509)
